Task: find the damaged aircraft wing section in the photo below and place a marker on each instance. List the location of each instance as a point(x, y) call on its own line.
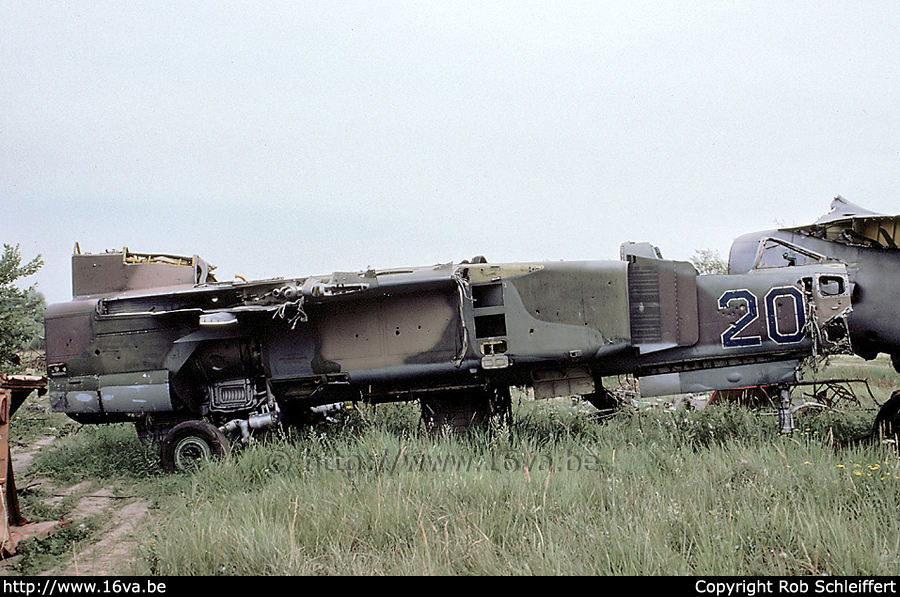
point(853, 225)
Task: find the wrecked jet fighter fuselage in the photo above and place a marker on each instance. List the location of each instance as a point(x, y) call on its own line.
point(863, 240)
point(158, 341)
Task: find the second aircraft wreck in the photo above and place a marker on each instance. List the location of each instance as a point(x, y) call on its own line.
point(863, 240)
point(156, 340)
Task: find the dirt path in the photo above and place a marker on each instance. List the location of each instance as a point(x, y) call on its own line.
point(114, 546)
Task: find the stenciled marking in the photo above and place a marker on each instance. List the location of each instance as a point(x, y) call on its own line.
point(798, 313)
point(732, 338)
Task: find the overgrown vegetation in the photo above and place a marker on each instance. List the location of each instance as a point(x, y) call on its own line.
point(654, 491)
point(21, 311)
point(41, 554)
point(708, 261)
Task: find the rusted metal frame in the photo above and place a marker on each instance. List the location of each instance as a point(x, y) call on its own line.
point(14, 389)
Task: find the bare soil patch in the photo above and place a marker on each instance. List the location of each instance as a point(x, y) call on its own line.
point(114, 546)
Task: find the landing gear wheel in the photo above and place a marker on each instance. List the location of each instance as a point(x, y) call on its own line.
point(190, 443)
point(500, 404)
point(603, 400)
point(452, 410)
point(887, 422)
point(461, 410)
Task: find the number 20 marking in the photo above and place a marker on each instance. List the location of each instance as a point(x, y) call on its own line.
point(731, 337)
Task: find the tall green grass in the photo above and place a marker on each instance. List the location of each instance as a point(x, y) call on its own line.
point(554, 491)
point(712, 492)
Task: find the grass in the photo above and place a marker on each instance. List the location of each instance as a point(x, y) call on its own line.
point(630, 497)
point(555, 492)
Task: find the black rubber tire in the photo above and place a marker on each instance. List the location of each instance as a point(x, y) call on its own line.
point(603, 400)
point(189, 443)
point(459, 411)
point(887, 422)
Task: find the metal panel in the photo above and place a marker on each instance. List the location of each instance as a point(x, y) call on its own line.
point(663, 302)
point(136, 392)
point(724, 378)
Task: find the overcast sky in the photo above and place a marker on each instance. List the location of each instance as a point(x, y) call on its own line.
point(298, 138)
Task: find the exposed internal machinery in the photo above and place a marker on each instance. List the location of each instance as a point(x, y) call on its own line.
point(867, 243)
point(155, 339)
point(863, 240)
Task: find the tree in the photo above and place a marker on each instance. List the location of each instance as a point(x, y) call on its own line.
point(21, 311)
point(708, 261)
